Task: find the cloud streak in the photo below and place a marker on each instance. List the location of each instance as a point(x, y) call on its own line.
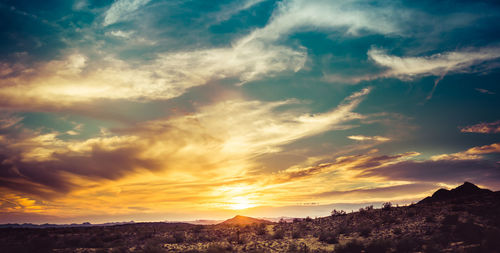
point(483, 128)
point(368, 138)
point(434, 65)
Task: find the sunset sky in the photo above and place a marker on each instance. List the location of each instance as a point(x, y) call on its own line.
point(151, 110)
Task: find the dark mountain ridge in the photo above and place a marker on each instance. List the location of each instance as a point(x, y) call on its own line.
point(465, 190)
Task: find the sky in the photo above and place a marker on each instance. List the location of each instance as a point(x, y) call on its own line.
point(151, 110)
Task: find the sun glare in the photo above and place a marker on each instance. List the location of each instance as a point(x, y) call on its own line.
point(238, 203)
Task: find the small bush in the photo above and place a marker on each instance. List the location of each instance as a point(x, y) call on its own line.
point(152, 247)
point(450, 220)
point(365, 230)
point(261, 229)
point(469, 232)
point(430, 219)
point(490, 242)
point(344, 229)
point(387, 206)
point(296, 234)
point(279, 234)
point(397, 231)
point(215, 248)
point(353, 246)
point(336, 213)
point(408, 245)
point(328, 237)
point(179, 237)
point(378, 246)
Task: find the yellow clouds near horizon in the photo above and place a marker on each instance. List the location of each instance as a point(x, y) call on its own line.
point(205, 160)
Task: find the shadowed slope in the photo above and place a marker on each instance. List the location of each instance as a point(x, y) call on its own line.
point(465, 190)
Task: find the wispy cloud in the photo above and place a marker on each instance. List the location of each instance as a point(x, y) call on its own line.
point(121, 9)
point(229, 10)
point(64, 81)
point(485, 91)
point(470, 154)
point(407, 68)
point(351, 16)
point(433, 65)
point(368, 138)
point(483, 128)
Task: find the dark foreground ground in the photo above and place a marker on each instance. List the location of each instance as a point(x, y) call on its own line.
point(465, 219)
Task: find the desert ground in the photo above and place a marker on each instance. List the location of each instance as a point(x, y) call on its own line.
point(465, 219)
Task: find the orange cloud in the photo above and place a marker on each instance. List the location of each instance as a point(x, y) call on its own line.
point(483, 128)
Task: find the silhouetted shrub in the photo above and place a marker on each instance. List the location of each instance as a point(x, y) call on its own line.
point(328, 237)
point(469, 232)
point(179, 237)
point(449, 220)
point(94, 242)
point(386, 206)
point(121, 249)
point(365, 230)
point(388, 219)
point(336, 213)
point(216, 248)
point(292, 248)
point(353, 246)
point(491, 243)
point(308, 219)
point(378, 246)
point(397, 231)
point(74, 242)
point(408, 245)
point(296, 234)
point(279, 234)
point(41, 244)
point(344, 229)
point(411, 212)
point(152, 247)
point(430, 219)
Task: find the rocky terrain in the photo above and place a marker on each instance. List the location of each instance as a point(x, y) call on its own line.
point(464, 219)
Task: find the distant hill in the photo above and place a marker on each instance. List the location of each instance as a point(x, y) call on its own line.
point(465, 190)
point(244, 220)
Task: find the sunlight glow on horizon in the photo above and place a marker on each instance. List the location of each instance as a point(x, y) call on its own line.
point(240, 203)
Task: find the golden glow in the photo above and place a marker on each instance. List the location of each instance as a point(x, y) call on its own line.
point(239, 203)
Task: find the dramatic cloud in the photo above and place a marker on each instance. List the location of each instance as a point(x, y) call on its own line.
point(483, 128)
point(219, 142)
point(149, 110)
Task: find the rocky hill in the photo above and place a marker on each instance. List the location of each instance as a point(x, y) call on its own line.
point(465, 190)
point(244, 220)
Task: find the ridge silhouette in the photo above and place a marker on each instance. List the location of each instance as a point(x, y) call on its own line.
point(467, 189)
